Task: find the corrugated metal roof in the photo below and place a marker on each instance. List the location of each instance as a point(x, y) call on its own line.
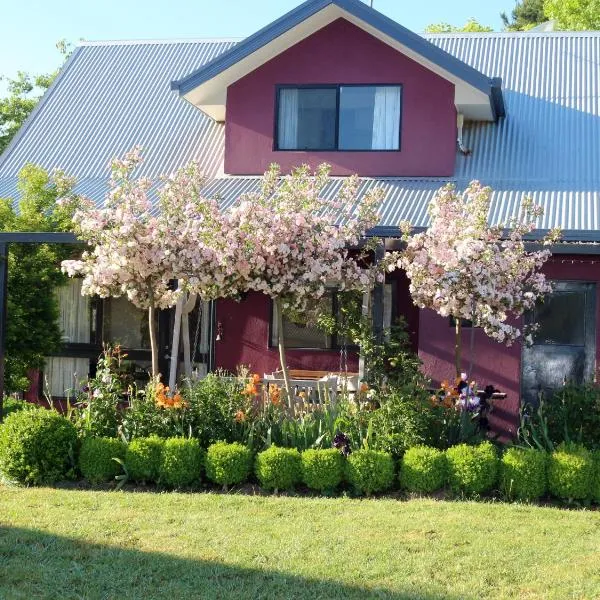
point(111, 96)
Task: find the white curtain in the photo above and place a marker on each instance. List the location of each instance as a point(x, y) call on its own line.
point(288, 119)
point(74, 318)
point(386, 118)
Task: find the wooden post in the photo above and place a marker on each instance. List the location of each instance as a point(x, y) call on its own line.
point(280, 340)
point(175, 344)
point(3, 303)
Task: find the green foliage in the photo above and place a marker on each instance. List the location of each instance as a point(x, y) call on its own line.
point(571, 472)
point(423, 469)
point(99, 413)
point(278, 468)
point(471, 26)
point(182, 461)
point(11, 405)
point(596, 480)
point(472, 469)
point(322, 470)
point(228, 464)
point(208, 413)
point(36, 446)
point(370, 471)
point(403, 419)
point(574, 15)
point(525, 15)
point(32, 327)
point(143, 459)
point(572, 414)
point(96, 458)
point(523, 473)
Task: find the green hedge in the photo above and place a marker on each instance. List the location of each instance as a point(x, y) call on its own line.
point(571, 472)
point(423, 469)
point(278, 468)
point(228, 464)
point(472, 469)
point(96, 458)
point(37, 446)
point(143, 458)
point(370, 471)
point(181, 462)
point(523, 473)
point(322, 469)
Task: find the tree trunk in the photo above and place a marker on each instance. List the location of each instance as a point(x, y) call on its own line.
point(458, 345)
point(175, 345)
point(281, 344)
point(153, 336)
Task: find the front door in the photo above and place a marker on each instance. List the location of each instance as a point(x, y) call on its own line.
point(564, 348)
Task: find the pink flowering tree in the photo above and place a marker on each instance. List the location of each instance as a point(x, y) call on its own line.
point(462, 267)
point(290, 243)
point(137, 248)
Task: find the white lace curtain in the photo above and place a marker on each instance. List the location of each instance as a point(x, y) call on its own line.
point(288, 119)
point(386, 118)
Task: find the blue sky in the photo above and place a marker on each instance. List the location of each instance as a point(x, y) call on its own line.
point(31, 30)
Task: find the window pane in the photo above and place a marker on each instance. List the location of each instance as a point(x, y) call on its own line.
point(307, 119)
point(561, 320)
point(125, 324)
point(75, 313)
point(369, 118)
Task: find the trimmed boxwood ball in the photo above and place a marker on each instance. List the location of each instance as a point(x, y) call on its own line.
point(278, 468)
point(571, 472)
point(472, 469)
point(228, 464)
point(36, 446)
point(96, 458)
point(370, 471)
point(143, 457)
point(423, 469)
point(322, 469)
point(181, 463)
point(523, 473)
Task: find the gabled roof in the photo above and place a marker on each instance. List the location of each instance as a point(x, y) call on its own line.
point(548, 146)
point(477, 96)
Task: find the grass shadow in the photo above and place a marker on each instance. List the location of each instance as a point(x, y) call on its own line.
point(36, 564)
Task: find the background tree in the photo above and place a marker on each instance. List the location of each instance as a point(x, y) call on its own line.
point(24, 92)
point(472, 25)
point(525, 15)
point(574, 15)
point(463, 268)
point(34, 273)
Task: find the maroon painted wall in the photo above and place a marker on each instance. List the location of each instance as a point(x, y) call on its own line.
point(343, 53)
point(494, 363)
point(245, 341)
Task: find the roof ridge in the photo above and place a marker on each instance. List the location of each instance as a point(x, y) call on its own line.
point(158, 41)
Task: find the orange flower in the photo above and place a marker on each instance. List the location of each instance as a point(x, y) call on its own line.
point(302, 395)
point(275, 394)
point(250, 390)
point(256, 379)
point(445, 384)
point(240, 416)
point(364, 388)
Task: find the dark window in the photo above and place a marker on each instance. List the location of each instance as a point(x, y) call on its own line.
point(559, 319)
point(125, 324)
point(346, 117)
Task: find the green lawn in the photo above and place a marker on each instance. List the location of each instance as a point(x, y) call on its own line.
point(86, 544)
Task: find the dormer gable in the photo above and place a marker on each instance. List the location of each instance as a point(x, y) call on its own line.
point(476, 96)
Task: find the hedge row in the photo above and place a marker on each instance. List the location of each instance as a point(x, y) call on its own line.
point(39, 447)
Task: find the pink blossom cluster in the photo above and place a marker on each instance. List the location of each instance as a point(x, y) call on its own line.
point(464, 268)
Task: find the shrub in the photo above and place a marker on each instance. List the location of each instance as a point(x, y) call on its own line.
point(370, 471)
point(423, 469)
point(143, 457)
point(570, 472)
point(11, 405)
point(278, 468)
point(96, 458)
point(472, 469)
point(596, 480)
point(523, 473)
point(228, 464)
point(322, 469)
point(36, 446)
point(181, 462)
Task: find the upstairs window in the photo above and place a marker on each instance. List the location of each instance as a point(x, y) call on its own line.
point(344, 117)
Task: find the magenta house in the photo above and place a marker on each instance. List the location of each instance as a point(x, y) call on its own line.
point(336, 81)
